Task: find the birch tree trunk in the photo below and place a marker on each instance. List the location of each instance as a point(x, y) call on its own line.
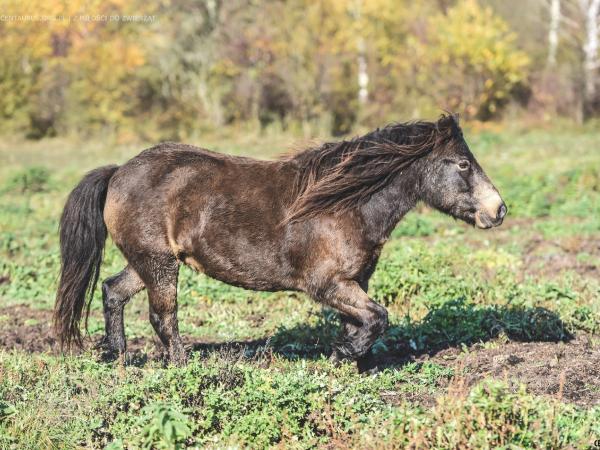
point(361, 46)
point(553, 32)
point(363, 76)
point(590, 8)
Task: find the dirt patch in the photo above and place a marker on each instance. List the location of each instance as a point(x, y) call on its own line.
point(581, 255)
point(26, 329)
point(542, 256)
point(564, 370)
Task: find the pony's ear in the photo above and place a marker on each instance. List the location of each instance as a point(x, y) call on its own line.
point(450, 122)
point(456, 118)
point(449, 119)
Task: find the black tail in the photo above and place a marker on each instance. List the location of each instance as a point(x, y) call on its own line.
point(82, 239)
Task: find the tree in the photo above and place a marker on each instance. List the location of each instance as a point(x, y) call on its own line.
point(553, 29)
point(469, 61)
point(591, 63)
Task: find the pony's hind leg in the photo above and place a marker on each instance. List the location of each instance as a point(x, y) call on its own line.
point(363, 321)
point(116, 292)
point(160, 278)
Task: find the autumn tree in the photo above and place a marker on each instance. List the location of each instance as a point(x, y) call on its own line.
point(324, 64)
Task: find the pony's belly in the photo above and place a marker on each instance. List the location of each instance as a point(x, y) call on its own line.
point(254, 275)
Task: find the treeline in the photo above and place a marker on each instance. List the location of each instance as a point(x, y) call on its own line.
point(169, 68)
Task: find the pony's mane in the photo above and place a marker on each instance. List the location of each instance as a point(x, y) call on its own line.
point(338, 176)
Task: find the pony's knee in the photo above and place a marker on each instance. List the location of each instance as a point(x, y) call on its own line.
point(112, 299)
point(119, 288)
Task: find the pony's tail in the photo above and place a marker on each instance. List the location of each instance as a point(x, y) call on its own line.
point(82, 239)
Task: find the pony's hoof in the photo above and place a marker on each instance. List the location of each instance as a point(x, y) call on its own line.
point(337, 358)
point(178, 362)
point(177, 357)
point(111, 355)
point(367, 364)
point(108, 353)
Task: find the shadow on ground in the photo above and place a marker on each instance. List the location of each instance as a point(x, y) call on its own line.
point(453, 324)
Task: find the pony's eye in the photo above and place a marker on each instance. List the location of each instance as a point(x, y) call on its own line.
point(464, 165)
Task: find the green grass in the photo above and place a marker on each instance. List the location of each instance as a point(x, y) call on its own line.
point(445, 285)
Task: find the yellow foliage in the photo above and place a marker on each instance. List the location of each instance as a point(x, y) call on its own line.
point(471, 60)
point(76, 38)
point(77, 68)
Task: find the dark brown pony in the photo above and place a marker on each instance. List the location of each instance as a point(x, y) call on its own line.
point(313, 222)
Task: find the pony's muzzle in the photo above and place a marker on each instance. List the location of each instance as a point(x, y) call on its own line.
point(492, 212)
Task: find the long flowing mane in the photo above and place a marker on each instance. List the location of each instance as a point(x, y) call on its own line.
point(339, 176)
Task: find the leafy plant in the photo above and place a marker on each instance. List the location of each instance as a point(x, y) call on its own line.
point(163, 427)
point(6, 410)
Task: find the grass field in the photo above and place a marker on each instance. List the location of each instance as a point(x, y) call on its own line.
point(494, 337)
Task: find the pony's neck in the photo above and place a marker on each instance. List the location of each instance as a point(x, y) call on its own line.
point(387, 207)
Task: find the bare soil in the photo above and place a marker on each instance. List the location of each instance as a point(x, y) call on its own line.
point(26, 329)
point(546, 257)
point(550, 257)
point(569, 371)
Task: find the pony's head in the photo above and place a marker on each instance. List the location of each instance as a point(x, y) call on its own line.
point(453, 182)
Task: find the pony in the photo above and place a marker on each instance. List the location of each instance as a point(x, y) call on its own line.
point(313, 222)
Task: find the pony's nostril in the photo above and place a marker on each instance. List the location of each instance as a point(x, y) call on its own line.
point(501, 212)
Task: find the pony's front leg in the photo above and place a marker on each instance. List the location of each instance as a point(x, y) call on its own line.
point(363, 321)
point(116, 292)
